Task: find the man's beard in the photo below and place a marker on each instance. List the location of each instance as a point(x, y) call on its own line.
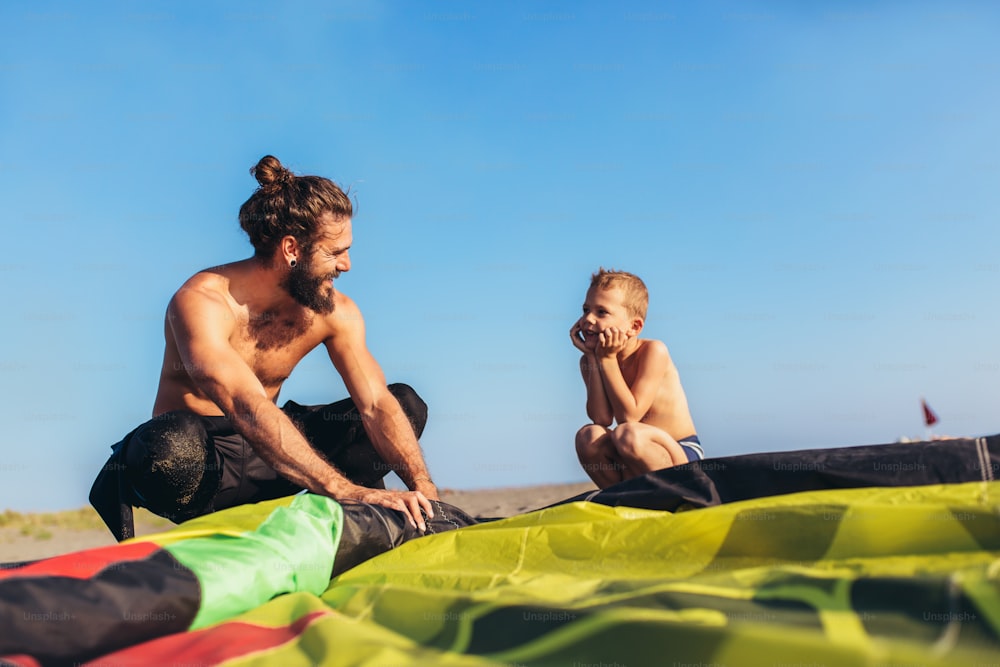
point(308, 289)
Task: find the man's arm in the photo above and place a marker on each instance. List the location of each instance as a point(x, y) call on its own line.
point(387, 425)
point(202, 323)
point(630, 404)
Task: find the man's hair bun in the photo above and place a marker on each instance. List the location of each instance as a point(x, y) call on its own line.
point(270, 172)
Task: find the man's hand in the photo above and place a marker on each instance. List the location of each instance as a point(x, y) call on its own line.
point(408, 502)
point(611, 341)
point(576, 335)
point(426, 487)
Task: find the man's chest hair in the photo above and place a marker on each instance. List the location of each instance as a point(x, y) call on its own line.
point(271, 329)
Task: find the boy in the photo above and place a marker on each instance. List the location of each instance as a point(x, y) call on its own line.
point(630, 381)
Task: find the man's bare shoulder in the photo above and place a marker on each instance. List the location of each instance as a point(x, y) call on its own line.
point(345, 315)
point(207, 289)
point(212, 279)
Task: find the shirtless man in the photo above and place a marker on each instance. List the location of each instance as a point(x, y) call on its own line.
point(630, 381)
point(233, 335)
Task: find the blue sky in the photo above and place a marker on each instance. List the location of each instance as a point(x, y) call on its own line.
point(808, 189)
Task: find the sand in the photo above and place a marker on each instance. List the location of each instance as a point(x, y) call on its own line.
point(41, 536)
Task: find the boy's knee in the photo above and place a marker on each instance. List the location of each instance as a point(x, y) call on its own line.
point(626, 440)
point(167, 462)
point(414, 406)
point(589, 433)
point(586, 440)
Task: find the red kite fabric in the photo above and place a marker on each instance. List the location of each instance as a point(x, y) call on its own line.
point(929, 417)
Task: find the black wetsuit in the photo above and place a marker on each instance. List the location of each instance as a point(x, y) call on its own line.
point(181, 465)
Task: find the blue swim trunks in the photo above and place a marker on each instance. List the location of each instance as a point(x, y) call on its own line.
point(692, 447)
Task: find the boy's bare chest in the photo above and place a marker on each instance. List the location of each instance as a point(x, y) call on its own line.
point(667, 390)
point(630, 370)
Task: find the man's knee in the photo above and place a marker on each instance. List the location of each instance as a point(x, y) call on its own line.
point(178, 435)
point(412, 404)
point(168, 462)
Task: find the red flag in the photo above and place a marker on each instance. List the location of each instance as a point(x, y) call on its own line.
point(929, 417)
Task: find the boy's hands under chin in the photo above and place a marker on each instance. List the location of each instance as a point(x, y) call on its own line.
point(576, 335)
point(611, 341)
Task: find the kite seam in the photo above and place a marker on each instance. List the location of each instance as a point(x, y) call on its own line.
point(443, 514)
point(987, 462)
point(982, 449)
point(979, 456)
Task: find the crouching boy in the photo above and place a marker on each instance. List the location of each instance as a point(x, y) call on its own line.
point(631, 382)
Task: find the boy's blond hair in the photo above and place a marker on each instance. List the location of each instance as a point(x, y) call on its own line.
point(635, 296)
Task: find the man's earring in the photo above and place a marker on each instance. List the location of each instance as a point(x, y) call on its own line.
point(292, 263)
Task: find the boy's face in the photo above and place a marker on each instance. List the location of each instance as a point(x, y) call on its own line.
point(602, 310)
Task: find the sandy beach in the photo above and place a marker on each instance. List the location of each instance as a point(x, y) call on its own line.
point(29, 537)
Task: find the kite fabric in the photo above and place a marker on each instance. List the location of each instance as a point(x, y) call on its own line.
point(74, 607)
point(929, 417)
point(733, 478)
point(854, 573)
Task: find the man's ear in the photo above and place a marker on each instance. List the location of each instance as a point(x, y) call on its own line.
point(289, 250)
point(637, 324)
